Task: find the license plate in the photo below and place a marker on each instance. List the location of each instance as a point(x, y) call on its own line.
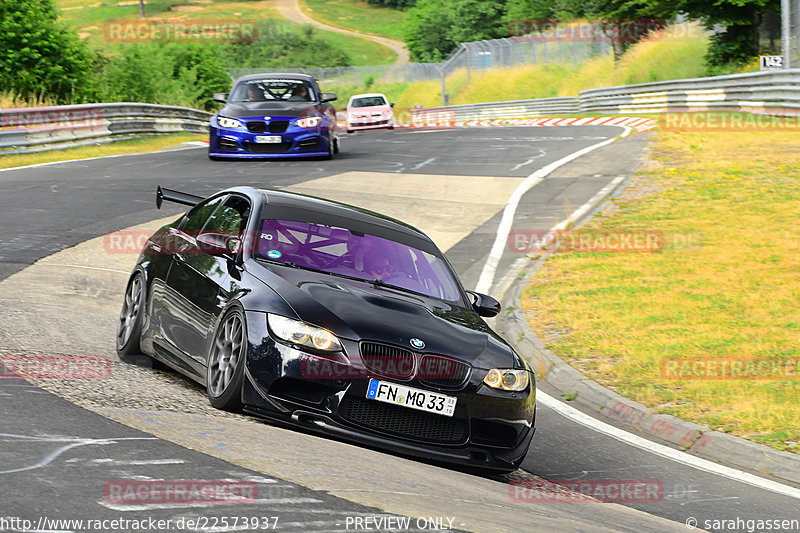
point(423, 400)
point(268, 139)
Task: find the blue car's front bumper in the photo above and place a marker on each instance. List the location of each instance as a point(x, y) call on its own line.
point(242, 143)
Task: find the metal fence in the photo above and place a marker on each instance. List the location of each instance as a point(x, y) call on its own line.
point(469, 57)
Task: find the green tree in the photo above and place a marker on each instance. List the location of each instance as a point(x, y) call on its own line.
point(739, 41)
point(38, 56)
point(435, 28)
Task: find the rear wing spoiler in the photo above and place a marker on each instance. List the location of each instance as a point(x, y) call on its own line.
point(175, 196)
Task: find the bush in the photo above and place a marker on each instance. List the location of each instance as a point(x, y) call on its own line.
point(172, 73)
point(278, 46)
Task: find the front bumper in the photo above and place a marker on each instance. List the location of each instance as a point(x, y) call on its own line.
point(370, 124)
point(490, 430)
point(241, 143)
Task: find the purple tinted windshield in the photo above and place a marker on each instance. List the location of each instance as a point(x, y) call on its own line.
point(339, 251)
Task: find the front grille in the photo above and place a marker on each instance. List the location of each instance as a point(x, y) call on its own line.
point(387, 361)
point(402, 421)
point(256, 126)
point(278, 126)
point(442, 371)
point(266, 148)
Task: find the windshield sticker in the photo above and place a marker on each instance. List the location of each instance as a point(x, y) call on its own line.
point(273, 254)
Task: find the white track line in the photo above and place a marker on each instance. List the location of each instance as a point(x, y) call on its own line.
point(486, 278)
point(678, 456)
point(50, 163)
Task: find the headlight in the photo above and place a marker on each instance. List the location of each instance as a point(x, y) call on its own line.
point(225, 122)
point(506, 379)
point(302, 334)
point(309, 122)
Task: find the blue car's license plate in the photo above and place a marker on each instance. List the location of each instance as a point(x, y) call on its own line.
point(383, 391)
point(269, 139)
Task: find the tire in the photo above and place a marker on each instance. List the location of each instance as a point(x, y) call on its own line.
point(129, 327)
point(336, 146)
point(331, 148)
point(225, 363)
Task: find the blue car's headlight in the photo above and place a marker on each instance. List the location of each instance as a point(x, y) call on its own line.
point(302, 334)
point(507, 379)
point(308, 122)
point(225, 122)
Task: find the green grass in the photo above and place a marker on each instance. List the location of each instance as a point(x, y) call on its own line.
point(89, 19)
point(361, 51)
point(358, 16)
point(132, 146)
point(724, 286)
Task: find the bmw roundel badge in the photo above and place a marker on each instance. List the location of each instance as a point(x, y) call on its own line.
point(417, 343)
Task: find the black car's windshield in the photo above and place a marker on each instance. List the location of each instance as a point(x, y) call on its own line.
point(340, 251)
point(272, 90)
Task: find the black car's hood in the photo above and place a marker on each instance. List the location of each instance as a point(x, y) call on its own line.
point(269, 108)
point(359, 311)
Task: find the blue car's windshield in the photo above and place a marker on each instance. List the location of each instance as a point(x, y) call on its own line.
point(339, 251)
point(273, 89)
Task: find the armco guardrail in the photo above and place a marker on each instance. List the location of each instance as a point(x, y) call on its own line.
point(36, 129)
point(496, 110)
point(754, 91)
point(775, 92)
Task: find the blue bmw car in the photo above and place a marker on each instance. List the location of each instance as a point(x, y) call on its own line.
point(274, 116)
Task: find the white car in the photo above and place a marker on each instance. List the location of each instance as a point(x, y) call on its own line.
point(369, 111)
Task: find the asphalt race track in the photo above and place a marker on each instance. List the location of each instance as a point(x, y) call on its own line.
point(63, 442)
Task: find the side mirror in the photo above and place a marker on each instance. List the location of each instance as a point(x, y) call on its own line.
point(484, 304)
point(328, 97)
point(391, 105)
point(218, 244)
point(222, 98)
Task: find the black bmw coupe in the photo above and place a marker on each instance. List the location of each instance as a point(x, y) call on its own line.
point(332, 318)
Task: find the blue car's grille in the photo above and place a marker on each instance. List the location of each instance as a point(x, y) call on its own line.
point(278, 126)
point(273, 126)
point(266, 148)
point(256, 126)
